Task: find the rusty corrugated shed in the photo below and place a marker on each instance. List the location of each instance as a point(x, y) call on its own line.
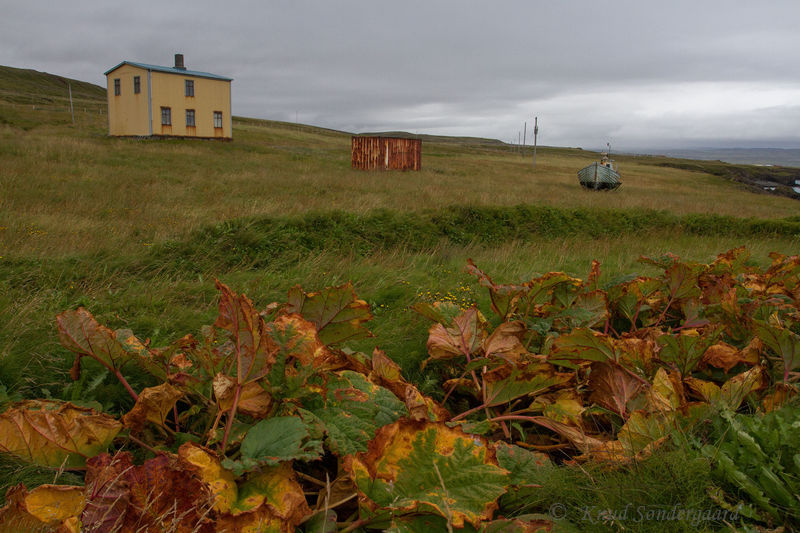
point(386, 153)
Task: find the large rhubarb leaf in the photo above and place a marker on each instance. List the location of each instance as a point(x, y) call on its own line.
point(643, 429)
point(686, 350)
point(524, 466)
point(82, 334)
point(507, 383)
point(252, 345)
point(681, 280)
point(253, 399)
point(219, 481)
point(44, 508)
point(56, 434)
point(733, 392)
point(160, 494)
point(352, 410)
point(503, 297)
point(584, 345)
point(270, 500)
point(462, 338)
point(275, 440)
point(504, 342)
point(336, 312)
point(613, 387)
point(426, 466)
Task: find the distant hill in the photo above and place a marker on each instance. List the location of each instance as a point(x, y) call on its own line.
point(436, 138)
point(25, 86)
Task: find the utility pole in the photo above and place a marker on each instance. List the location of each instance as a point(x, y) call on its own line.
point(524, 135)
point(535, 134)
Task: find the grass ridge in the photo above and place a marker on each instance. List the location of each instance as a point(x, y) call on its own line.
point(259, 241)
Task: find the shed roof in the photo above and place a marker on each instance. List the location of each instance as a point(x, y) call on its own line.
point(170, 70)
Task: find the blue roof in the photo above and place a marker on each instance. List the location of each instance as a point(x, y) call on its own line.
point(170, 70)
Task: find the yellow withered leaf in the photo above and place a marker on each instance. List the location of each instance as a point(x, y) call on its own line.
point(269, 501)
point(42, 509)
point(153, 405)
point(54, 433)
point(220, 482)
point(566, 407)
point(666, 394)
point(724, 356)
point(253, 399)
point(53, 504)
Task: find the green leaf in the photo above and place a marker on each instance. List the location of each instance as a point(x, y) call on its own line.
point(782, 341)
point(335, 311)
point(508, 383)
point(426, 466)
point(588, 310)
point(685, 351)
point(272, 441)
point(352, 410)
point(681, 280)
point(525, 467)
point(643, 428)
point(584, 345)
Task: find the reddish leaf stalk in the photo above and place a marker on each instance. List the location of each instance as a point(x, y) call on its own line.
point(231, 415)
point(213, 428)
point(125, 383)
point(175, 414)
point(504, 427)
point(534, 419)
point(636, 316)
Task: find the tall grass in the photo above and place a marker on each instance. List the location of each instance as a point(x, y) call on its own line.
point(168, 291)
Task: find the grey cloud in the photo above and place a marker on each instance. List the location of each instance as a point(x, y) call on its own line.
point(591, 70)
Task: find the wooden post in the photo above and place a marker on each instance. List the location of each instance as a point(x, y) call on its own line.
point(535, 134)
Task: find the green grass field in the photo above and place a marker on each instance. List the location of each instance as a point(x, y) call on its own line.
point(138, 230)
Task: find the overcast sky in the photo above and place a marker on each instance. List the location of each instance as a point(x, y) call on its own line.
point(639, 74)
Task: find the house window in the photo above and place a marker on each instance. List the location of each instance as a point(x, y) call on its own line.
point(117, 87)
point(190, 117)
point(217, 119)
point(189, 87)
point(166, 116)
point(137, 85)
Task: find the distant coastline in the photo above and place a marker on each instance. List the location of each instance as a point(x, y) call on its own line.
point(786, 157)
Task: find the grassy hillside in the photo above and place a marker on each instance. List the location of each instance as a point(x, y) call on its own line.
point(71, 189)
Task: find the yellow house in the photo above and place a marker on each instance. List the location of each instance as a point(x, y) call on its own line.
point(149, 100)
